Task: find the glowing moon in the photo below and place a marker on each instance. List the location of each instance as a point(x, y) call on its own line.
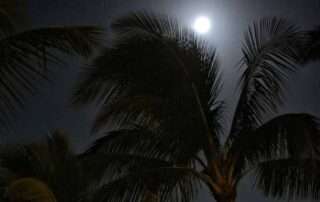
point(202, 25)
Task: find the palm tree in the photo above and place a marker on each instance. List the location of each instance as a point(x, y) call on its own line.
point(160, 89)
point(52, 163)
point(24, 56)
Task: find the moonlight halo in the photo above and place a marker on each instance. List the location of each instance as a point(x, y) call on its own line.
point(202, 25)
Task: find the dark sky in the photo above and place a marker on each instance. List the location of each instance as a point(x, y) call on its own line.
point(230, 18)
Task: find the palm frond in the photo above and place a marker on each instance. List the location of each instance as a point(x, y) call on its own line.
point(24, 58)
point(133, 140)
point(286, 136)
point(289, 178)
point(153, 144)
point(79, 40)
point(108, 166)
point(271, 50)
point(150, 25)
point(128, 108)
point(168, 184)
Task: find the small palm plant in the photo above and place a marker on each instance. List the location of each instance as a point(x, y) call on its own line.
point(52, 163)
point(29, 189)
point(160, 86)
point(24, 56)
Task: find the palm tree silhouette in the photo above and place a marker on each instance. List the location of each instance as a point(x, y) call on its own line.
point(160, 86)
point(24, 56)
point(52, 163)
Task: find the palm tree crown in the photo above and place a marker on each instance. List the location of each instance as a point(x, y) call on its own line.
point(160, 86)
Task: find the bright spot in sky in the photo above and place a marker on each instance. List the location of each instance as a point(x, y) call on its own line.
point(202, 25)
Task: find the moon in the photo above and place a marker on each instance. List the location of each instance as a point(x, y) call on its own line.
point(202, 25)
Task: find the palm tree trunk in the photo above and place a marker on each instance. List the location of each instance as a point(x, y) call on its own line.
point(151, 196)
point(225, 197)
point(224, 193)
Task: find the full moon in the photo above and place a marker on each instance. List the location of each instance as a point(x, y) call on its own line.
point(202, 25)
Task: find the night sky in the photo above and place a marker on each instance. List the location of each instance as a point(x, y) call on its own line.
point(230, 18)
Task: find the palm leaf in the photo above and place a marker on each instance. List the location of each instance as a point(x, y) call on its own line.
point(129, 108)
point(271, 50)
point(289, 178)
point(24, 57)
point(167, 183)
point(150, 25)
point(152, 144)
point(108, 165)
point(286, 136)
point(135, 140)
